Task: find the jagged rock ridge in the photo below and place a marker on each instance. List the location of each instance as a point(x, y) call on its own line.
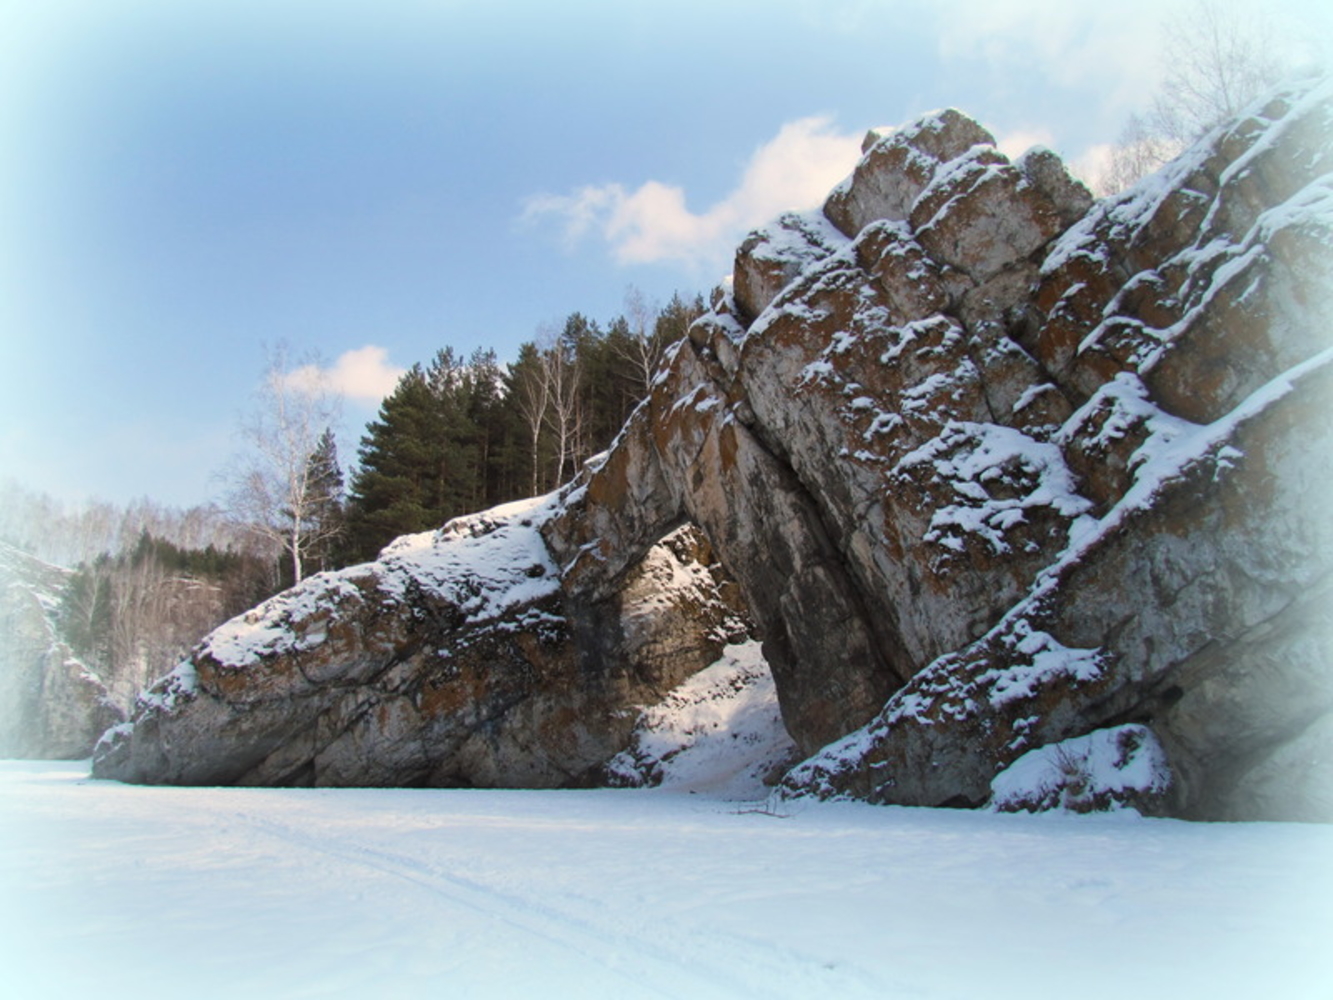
point(993, 467)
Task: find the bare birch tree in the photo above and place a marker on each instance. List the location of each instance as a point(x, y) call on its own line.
point(564, 414)
point(1217, 57)
point(274, 486)
point(643, 350)
point(531, 392)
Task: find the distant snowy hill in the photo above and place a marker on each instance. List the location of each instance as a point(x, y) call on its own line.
point(51, 703)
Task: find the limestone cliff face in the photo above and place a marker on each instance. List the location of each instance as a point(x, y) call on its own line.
point(51, 704)
point(993, 467)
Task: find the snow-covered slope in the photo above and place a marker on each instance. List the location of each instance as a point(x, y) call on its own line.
point(719, 732)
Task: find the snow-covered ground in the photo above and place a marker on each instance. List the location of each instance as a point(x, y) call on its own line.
point(719, 733)
point(111, 890)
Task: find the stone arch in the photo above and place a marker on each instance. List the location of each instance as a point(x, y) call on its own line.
point(685, 457)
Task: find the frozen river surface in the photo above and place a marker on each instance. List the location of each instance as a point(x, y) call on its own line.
point(110, 891)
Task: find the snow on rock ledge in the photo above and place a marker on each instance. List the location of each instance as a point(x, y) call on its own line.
point(452, 660)
point(1106, 770)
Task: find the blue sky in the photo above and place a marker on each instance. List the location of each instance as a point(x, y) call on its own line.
point(182, 184)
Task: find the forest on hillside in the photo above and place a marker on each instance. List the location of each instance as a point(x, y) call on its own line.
point(456, 435)
point(459, 435)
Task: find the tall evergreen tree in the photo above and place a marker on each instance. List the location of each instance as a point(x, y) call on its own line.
point(611, 384)
point(324, 516)
point(441, 447)
point(673, 323)
point(497, 467)
point(393, 487)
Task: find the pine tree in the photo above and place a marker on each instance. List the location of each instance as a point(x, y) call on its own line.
point(394, 485)
point(456, 437)
point(497, 468)
point(673, 323)
point(324, 517)
point(431, 454)
point(612, 381)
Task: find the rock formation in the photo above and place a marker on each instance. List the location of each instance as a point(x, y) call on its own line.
point(993, 466)
point(453, 660)
point(51, 704)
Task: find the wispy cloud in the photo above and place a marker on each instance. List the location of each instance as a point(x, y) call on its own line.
point(1069, 44)
point(652, 223)
point(363, 375)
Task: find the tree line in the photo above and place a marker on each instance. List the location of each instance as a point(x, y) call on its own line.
point(148, 580)
point(66, 534)
point(132, 614)
point(458, 435)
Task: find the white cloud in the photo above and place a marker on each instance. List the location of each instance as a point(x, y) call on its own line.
point(1106, 45)
point(1015, 144)
point(1091, 165)
point(792, 171)
point(363, 375)
point(1115, 50)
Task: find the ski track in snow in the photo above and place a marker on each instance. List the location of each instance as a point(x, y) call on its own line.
point(638, 960)
point(109, 890)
